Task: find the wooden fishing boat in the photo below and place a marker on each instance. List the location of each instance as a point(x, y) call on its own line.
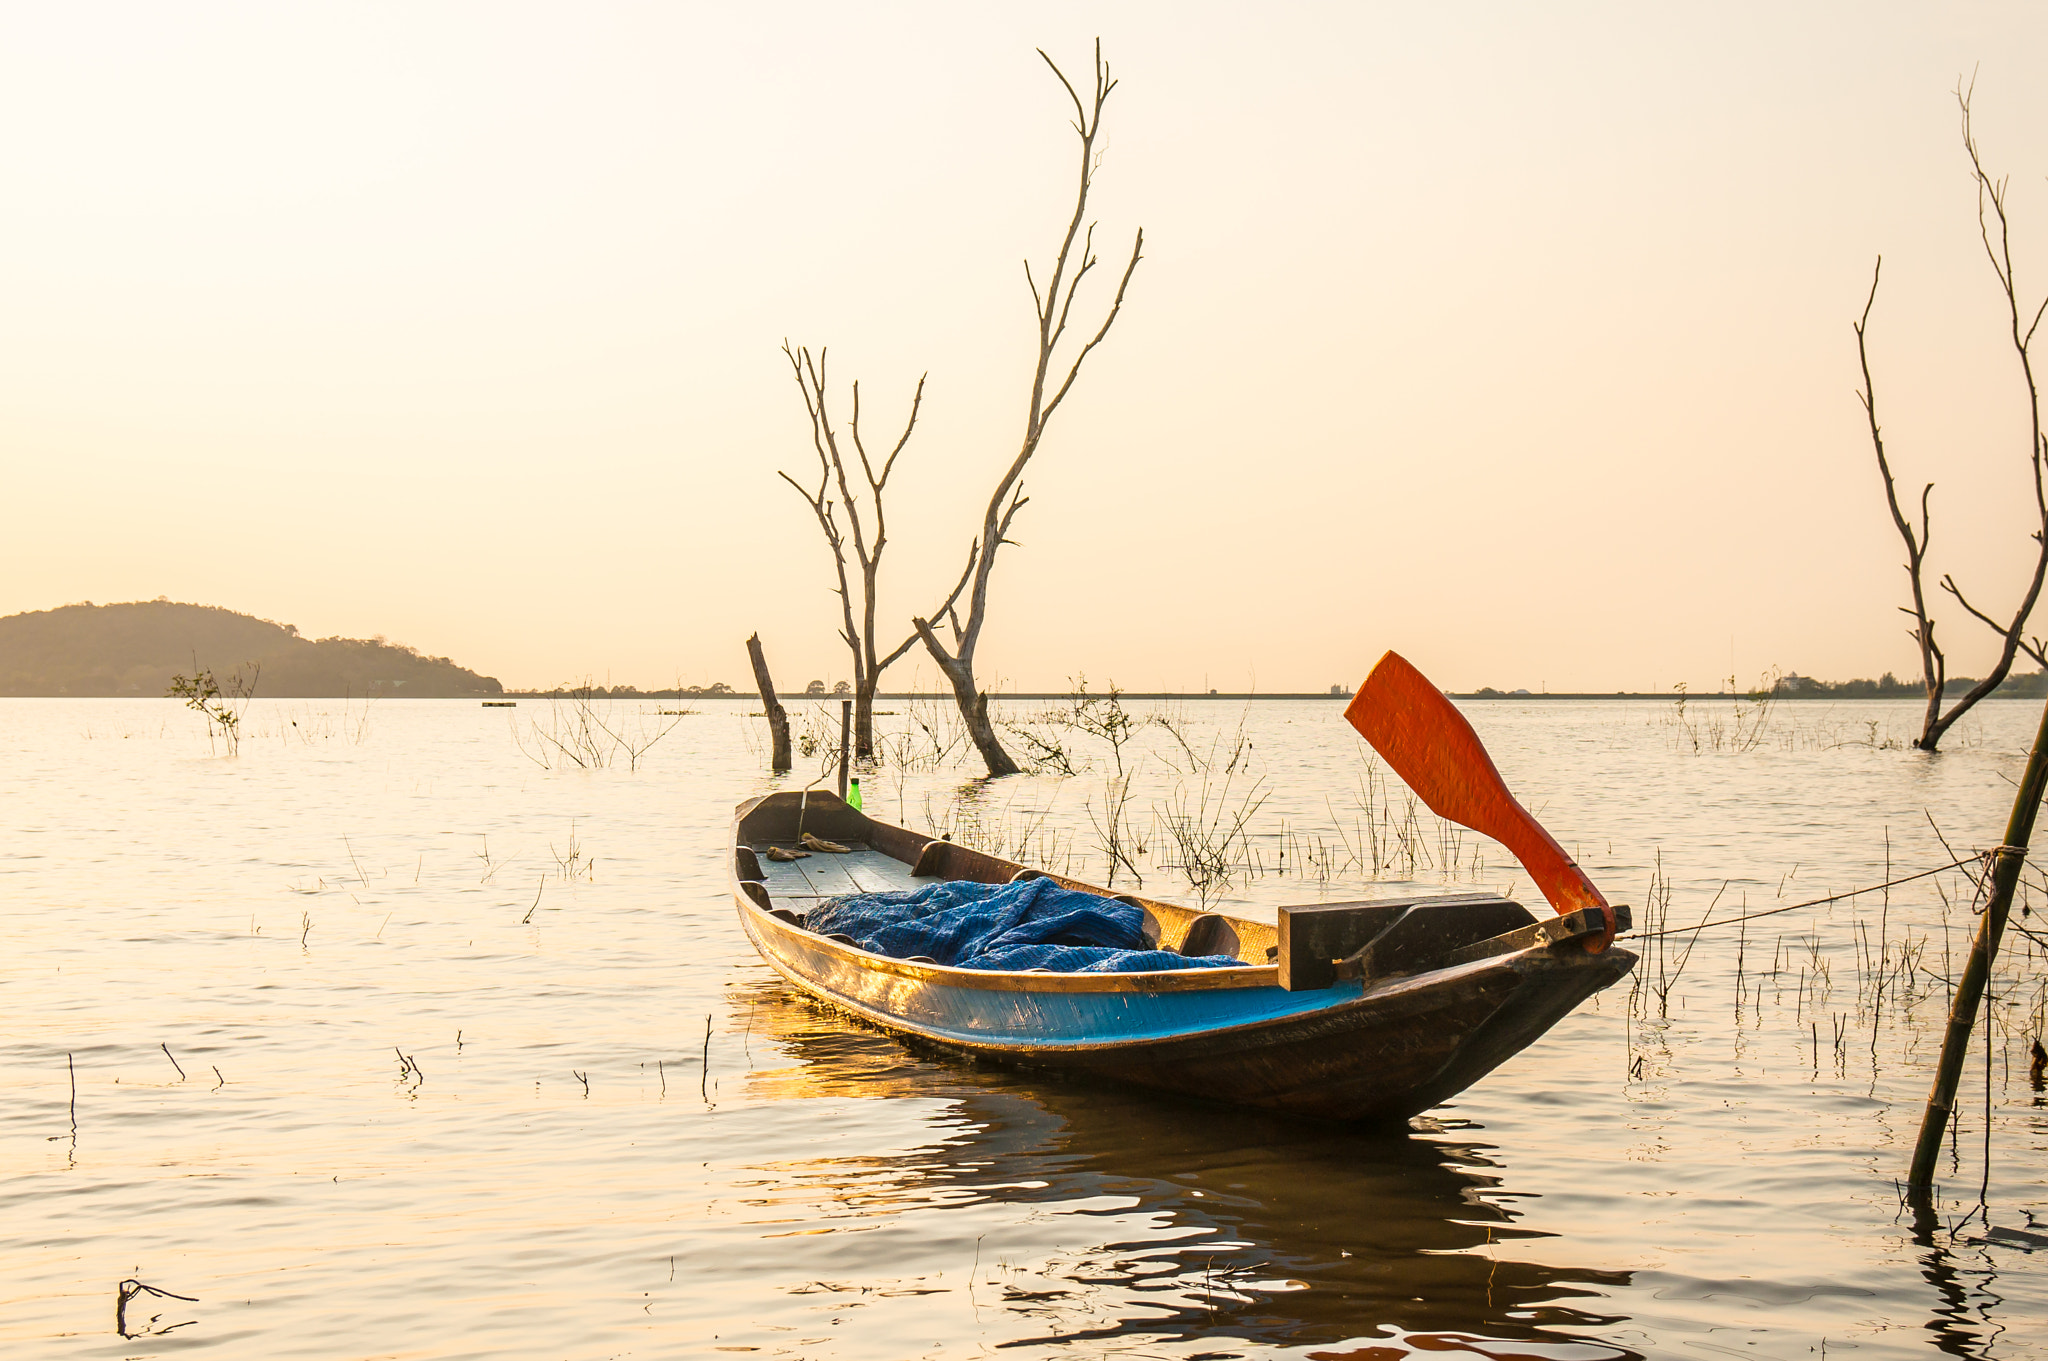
point(1360, 1011)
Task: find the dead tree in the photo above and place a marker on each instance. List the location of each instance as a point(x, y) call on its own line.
point(2012, 633)
point(1053, 306)
point(866, 537)
point(778, 717)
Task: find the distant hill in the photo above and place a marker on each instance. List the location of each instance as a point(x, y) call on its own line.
point(135, 649)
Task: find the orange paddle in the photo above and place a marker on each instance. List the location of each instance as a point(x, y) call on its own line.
point(1431, 746)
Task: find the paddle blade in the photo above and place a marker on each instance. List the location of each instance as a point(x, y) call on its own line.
point(1428, 743)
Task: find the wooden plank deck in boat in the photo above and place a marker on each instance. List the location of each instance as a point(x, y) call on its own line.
point(801, 884)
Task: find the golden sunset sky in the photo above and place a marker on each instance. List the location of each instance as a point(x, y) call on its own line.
point(1515, 337)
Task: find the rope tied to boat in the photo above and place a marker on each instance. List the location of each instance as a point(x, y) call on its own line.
point(1821, 902)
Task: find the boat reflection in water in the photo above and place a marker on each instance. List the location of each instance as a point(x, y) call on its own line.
point(1259, 1229)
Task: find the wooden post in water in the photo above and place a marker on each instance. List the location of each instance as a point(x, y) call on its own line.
point(1962, 1017)
point(845, 729)
point(778, 719)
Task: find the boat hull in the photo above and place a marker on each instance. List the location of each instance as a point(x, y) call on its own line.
point(1376, 1053)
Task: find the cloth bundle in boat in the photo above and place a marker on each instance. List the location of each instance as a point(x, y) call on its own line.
point(1034, 924)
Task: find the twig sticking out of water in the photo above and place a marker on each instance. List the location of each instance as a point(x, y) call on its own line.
point(1668, 979)
point(1211, 837)
point(974, 1271)
point(582, 730)
point(408, 1067)
point(1114, 835)
point(1976, 878)
point(174, 1060)
point(305, 928)
point(220, 1081)
point(704, 1068)
point(583, 1078)
point(71, 1066)
point(127, 1291)
point(573, 862)
point(353, 861)
point(536, 900)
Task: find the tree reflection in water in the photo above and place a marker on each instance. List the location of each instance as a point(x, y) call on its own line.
point(1262, 1230)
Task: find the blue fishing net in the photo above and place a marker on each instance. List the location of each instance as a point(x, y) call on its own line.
point(1035, 924)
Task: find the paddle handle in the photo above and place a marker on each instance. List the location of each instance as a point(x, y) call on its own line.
point(1430, 745)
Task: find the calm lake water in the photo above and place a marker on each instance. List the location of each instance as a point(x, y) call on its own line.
point(390, 1041)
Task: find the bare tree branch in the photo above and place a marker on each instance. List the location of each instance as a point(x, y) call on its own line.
point(1074, 284)
point(1080, 124)
point(1948, 583)
point(945, 606)
point(916, 404)
point(1116, 305)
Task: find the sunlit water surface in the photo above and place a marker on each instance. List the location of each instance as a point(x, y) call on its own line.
point(477, 1063)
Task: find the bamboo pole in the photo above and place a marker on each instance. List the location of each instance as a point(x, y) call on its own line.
point(2006, 862)
point(845, 728)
